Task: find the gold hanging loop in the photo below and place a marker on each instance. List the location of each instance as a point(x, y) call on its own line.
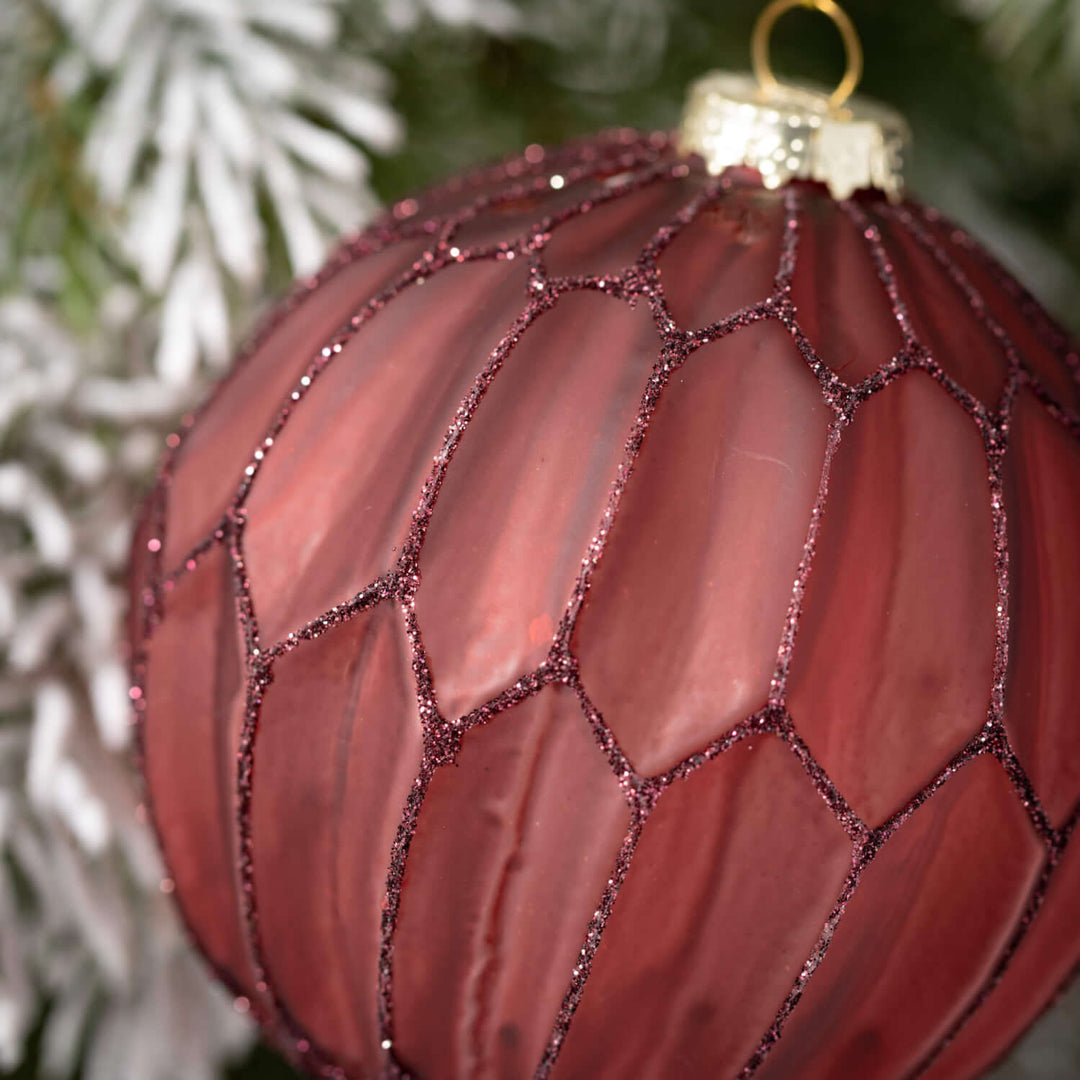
point(759, 47)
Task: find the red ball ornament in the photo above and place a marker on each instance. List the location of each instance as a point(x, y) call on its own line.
point(621, 622)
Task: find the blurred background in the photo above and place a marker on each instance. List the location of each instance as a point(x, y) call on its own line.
point(166, 168)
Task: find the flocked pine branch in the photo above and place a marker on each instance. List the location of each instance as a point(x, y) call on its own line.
point(213, 110)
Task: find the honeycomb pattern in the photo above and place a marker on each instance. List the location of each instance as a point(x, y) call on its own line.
point(376, 752)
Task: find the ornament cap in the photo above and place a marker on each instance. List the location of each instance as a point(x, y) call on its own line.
point(794, 132)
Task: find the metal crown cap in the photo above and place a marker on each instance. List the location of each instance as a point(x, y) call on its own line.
point(791, 132)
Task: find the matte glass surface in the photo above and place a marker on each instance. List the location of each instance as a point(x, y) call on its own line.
point(517, 842)
point(191, 732)
point(736, 870)
point(529, 486)
point(1043, 700)
point(211, 462)
point(325, 811)
point(692, 592)
point(332, 510)
point(839, 299)
point(894, 658)
point(923, 930)
point(1045, 961)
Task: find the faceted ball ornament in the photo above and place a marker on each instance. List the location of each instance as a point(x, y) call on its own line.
point(617, 623)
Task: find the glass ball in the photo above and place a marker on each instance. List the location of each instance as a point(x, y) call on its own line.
point(615, 621)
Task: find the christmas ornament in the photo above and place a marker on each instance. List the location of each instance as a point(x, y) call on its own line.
point(618, 620)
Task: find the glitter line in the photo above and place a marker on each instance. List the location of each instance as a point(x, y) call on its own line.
point(1021, 783)
point(849, 821)
point(976, 301)
point(442, 742)
point(907, 359)
point(593, 933)
point(152, 514)
point(919, 358)
point(525, 687)
point(369, 242)
point(789, 244)
point(861, 857)
point(610, 149)
point(249, 626)
point(536, 235)
point(672, 356)
point(766, 721)
point(382, 588)
point(981, 743)
point(838, 395)
point(872, 235)
point(630, 781)
point(428, 262)
point(408, 561)
point(778, 682)
point(196, 553)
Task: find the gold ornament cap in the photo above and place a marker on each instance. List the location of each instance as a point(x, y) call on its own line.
point(790, 132)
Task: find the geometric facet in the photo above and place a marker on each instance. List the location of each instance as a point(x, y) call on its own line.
point(525, 493)
point(211, 461)
point(335, 496)
point(330, 783)
point(513, 849)
point(927, 921)
point(679, 633)
point(194, 712)
point(893, 661)
point(840, 301)
point(941, 316)
point(1042, 703)
point(725, 259)
point(1046, 958)
point(735, 873)
point(610, 237)
point(511, 221)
